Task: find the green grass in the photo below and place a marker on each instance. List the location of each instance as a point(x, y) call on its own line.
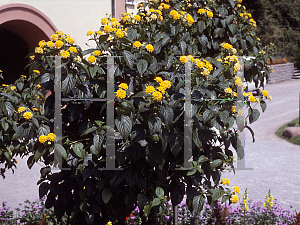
point(293, 123)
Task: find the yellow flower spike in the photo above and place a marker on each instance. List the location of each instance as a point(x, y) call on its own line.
point(121, 94)
point(27, 115)
point(43, 139)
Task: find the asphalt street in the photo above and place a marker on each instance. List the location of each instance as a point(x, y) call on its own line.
point(275, 162)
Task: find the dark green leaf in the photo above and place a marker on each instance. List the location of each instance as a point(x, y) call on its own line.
point(154, 124)
point(224, 116)
point(254, 115)
point(106, 195)
point(216, 163)
point(20, 86)
point(201, 26)
point(142, 66)
point(78, 149)
point(217, 193)
point(183, 47)
point(68, 84)
point(124, 126)
point(263, 105)
point(244, 44)
point(207, 115)
point(198, 203)
point(61, 150)
point(155, 202)
point(159, 192)
point(129, 58)
point(240, 123)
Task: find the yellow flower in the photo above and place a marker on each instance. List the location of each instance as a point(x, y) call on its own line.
point(59, 33)
point(166, 84)
point(149, 89)
point(160, 7)
point(58, 44)
point(97, 52)
point(54, 37)
point(191, 58)
point(107, 28)
point(91, 59)
point(158, 79)
point(227, 46)
point(239, 5)
point(27, 115)
point(166, 6)
point(183, 59)
point(78, 59)
point(50, 44)
point(70, 40)
point(36, 71)
point(123, 86)
point(137, 18)
point(38, 86)
point(252, 99)
point(205, 72)
point(51, 136)
point(89, 33)
point(161, 89)
point(65, 54)
point(237, 67)
point(153, 17)
point(157, 96)
point(228, 90)
point(109, 223)
point(176, 17)
point(149, 48)
point(121, 94)
point(21, 109)
point(158, 12)
point(265, 93)
point(73, 49)
point(200, 64)
point(42, 43)
point(201, 11)
point(13, 88)
point(190, 19)
point(34, 109)
point(234, 199)
point(209, 14)
point(233, 109)
point(39, 50)
point(99, 32)
point(104, 21)
point(32, 57)
point(137, 44)
point(225, 181)
point(43, 139)
point(236, 189)
point(238, 81)
point(173, 13)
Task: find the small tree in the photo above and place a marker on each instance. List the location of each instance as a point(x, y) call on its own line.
point(150, 50)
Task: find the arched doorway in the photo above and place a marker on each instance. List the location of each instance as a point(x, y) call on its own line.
point(21, 28)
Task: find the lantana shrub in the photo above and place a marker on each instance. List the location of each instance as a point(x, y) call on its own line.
point(150, 53)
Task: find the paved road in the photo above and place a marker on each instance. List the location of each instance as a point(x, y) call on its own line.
point(275, 162)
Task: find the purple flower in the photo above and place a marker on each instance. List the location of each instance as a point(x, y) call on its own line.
point(18, 221)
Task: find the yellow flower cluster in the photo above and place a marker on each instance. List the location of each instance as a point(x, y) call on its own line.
point(226, 46)
point(207, 12)
point(234, 199)
point(225, 181)
point(236, 189)
point(163, 86)
point(121, 93)
point(175, 15)
point(44, 138)
point(238, 81)
point(233, 109)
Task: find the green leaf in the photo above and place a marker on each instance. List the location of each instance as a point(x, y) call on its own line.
point(68, 84)
point(142, 66)
point(229, 19)
point(198, 203)
point(216, 163)
point(30, 161)
point(232, 39)
point(224, 116)
point(183, 47)
point(35, 122)
point(159, 192)
point(157, 47)
point(217, 193)
point(78, 148)
point(232, 28)
point(89, 130)
point(192, 172)
point(7, 156)
point(207, 115)
point(129, 58)
point(254, 115)
point(106, 195)
point(244, 44)
point(154, 124)
point(9, 109)
point(202, 159)
point(201, 26)
point(225, 198)
point(8, 96)
point(263, 105)
point(61, 150)
point(124, 126)
point(20, 86)
point(131, 33)
point(196, 140)
point(155, 202)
